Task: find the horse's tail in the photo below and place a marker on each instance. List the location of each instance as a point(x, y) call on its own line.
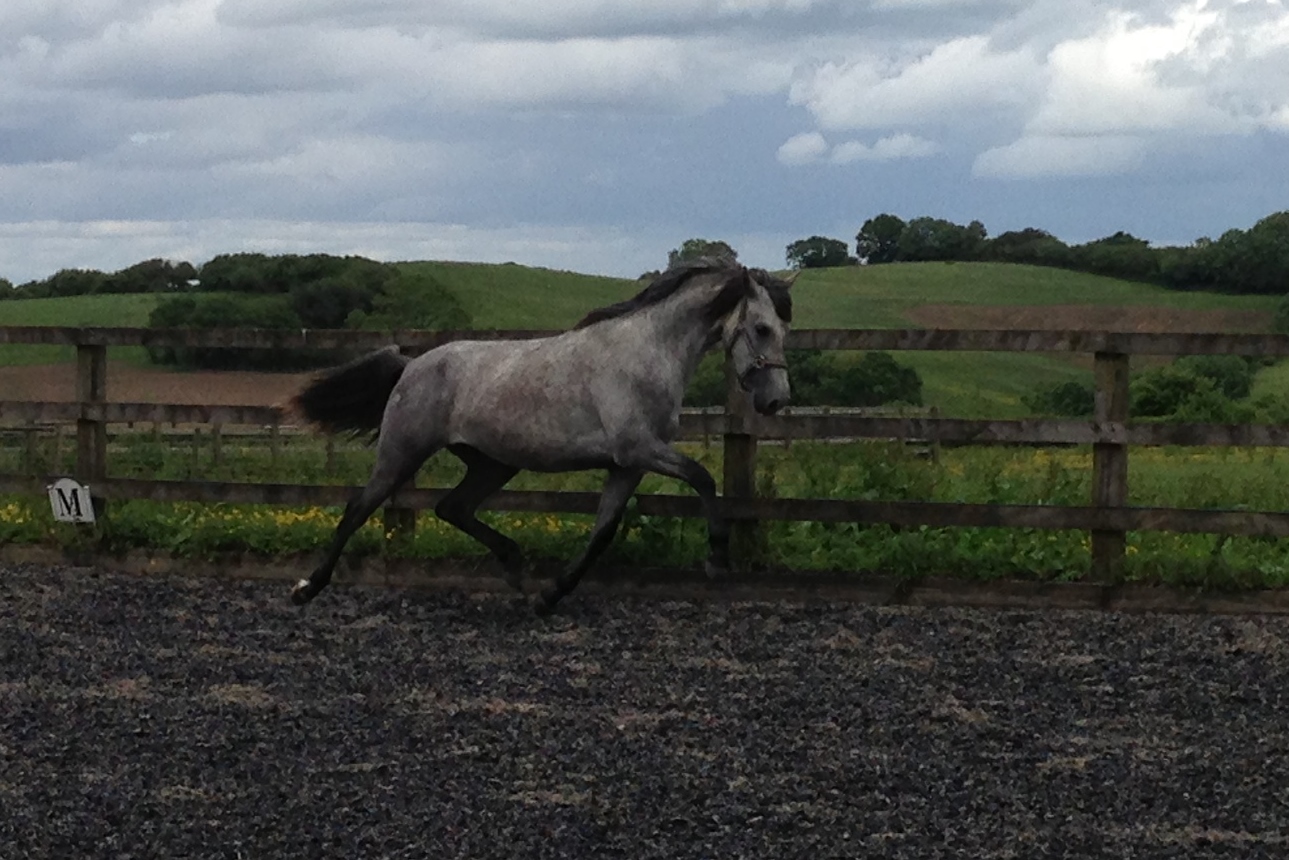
point(351, 397)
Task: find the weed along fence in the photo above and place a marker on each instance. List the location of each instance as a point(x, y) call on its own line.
point(1106, 515)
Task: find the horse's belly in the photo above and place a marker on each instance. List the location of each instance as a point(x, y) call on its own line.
point(542, 440)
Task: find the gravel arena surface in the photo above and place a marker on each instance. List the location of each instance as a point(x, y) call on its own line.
point(173, 717)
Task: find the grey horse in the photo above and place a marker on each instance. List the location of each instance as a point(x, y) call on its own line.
point(603, 395)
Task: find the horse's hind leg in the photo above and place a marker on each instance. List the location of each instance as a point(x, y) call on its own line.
point(665, 460)
point(483, 477)
point(394, 467)
point(618, 488)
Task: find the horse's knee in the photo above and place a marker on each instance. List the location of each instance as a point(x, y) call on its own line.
point(446, 510)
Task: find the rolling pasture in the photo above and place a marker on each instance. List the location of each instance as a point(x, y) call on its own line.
point(911, 295)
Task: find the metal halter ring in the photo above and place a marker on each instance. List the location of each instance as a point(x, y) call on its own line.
point(759, 360)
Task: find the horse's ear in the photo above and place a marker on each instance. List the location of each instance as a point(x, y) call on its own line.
point(791, 279)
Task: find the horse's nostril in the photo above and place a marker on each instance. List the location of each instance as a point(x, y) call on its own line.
point(773, 406)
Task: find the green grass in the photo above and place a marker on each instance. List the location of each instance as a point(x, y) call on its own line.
point(879, 296)
point(509, 296)
point(1165, 477)
point(123, 310)
point(987, 384)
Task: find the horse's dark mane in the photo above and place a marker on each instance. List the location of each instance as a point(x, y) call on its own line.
point(779, 291)
point(670, 281)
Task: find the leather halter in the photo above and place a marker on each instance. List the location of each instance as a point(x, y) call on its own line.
point(760, 361)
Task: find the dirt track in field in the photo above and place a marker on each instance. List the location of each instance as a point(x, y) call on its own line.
point(179, 717)
point(1087, 317)
point(131, 384)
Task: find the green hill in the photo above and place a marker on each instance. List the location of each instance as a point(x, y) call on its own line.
point(883, 296)
point(955, 295)
point(1001, 295)
point(112, 310)
point(510, 296)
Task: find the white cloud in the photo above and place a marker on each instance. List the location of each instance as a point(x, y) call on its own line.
point(1109, 82)
point(803, 148)
point(553, 18)
point(811, 148)
point(962, 77)
point(1039, 156)
point(884, 149)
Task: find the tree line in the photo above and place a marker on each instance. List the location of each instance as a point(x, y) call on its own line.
point(299, 291)
point(1255, 260)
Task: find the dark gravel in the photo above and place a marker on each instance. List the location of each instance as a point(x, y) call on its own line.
point(196, 718)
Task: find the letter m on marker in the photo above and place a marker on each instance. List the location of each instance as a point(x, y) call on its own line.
point(69, 503)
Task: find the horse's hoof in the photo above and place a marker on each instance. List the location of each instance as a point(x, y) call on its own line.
point(515, 579)
point(544, 605)
point(715, 571)
point(302, 593)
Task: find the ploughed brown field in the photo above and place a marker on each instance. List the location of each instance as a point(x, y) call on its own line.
point(130, 384)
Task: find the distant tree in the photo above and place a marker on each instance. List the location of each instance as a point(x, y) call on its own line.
point(924, 239)
point(878, 240)
point(1071, 399)
point(1031, 245)
point(818, 252)
point(74, 282)
point(693, 249)
point(228, 311)
point(973, 239)
point(151, 276)
point(1121, 255)
point(328, 302)
point(6, 289)
point(1263, 265)
point(1194, 388)
point(413, 301)
point(1231, 374)
point(1280, 319)
point(1191, 266)
point(237, 273)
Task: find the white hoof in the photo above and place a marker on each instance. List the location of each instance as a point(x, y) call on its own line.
point(714, 571)
point(300, 594)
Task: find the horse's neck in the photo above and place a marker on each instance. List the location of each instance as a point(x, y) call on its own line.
point(674, 335)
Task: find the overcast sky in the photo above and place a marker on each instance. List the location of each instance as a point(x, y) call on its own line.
point(596, 135)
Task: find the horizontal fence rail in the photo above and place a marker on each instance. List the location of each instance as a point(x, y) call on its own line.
point(1110, 433)
point(795, 424)
point(969, 340)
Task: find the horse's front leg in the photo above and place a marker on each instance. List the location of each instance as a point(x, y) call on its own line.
point(618, 487)
point(665, 460)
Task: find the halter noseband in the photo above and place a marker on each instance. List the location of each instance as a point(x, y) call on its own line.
point(760, 361)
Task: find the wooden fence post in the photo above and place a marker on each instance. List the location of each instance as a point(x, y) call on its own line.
point(91, 433)
point(1110, 464)
point(217, 444)
point(275, 447)
point(31, 457)
point(739, 468)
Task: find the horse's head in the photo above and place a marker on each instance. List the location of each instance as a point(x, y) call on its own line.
point(754, 336)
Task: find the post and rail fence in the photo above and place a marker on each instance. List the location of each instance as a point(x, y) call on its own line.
point(1107, 516)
